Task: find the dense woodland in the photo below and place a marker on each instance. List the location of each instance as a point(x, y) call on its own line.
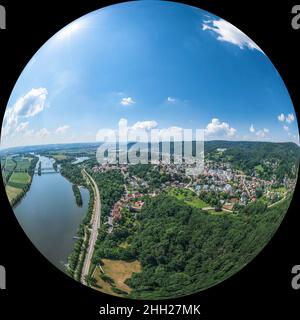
point(72, 173)
point(275, 158)
point(111, 187)
point(183, 249)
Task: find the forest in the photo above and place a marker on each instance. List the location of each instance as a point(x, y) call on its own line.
point(184, 250)
point(111, 187)
point(72, 173)
point(274, 158)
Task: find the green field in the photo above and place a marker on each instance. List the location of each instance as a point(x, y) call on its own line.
point(189, 197)
point(10, 164)
point(19, 179)
point(282, 190)
point(59, 156)
point(259, 168)
point(12, 192)
point(23, 164)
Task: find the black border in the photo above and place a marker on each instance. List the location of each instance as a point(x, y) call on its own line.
point(36, 288)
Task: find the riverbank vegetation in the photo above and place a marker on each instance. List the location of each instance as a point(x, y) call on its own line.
point(77, 257)
point(40, 169)
point(72, 173)
point(77, 195)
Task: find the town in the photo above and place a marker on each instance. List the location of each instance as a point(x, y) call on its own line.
point(219, 188)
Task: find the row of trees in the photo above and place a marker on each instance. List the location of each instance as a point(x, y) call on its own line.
point(77, 195)
point(40, 169)
point(76, 258)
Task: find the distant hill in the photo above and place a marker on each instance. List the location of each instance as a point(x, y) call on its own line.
point(279, 158)
point(244, 155)
point(48, 147)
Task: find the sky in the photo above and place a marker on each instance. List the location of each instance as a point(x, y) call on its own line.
point(148, 64)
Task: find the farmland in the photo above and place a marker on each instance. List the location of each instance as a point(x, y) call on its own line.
point(17, 172)
point(19, 180)
point(13, 193)
point(23, 164)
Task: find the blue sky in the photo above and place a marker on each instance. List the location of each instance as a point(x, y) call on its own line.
point(156, 64)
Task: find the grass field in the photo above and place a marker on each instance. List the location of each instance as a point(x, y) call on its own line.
point(10, 164)
point(281, 190)
point(259, 168)
point(23, 164)
point(124, 245)
point(59, 156)
point(189, 197)
point(119, 271)
point(12, 192)
point(19, 179)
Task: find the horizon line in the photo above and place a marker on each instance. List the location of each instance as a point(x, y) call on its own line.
point(95, 142)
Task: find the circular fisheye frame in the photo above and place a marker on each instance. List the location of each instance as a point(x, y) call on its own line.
point(149, 150)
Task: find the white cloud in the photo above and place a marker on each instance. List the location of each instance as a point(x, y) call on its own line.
point(262, 133)
point(290, 118)
point(144, 125)
point(127, 101)
point(62, 129)
point(171, 100)
point(229, 33)
point(42, 133)
point(26, 107)
point(286, 128)
point(22, 127)
point(281, 117)
point(252, 129)
point(138, 128)
point(218, 129)
point(171, 132)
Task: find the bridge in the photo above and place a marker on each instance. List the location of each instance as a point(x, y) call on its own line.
point(46, 170)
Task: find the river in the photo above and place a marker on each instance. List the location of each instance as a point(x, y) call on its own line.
point(49, 215)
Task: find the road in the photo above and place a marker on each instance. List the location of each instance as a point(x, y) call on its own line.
point(275, 203)
point(95, 221)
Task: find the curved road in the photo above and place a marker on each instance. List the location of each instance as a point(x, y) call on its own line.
point(95, 221)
